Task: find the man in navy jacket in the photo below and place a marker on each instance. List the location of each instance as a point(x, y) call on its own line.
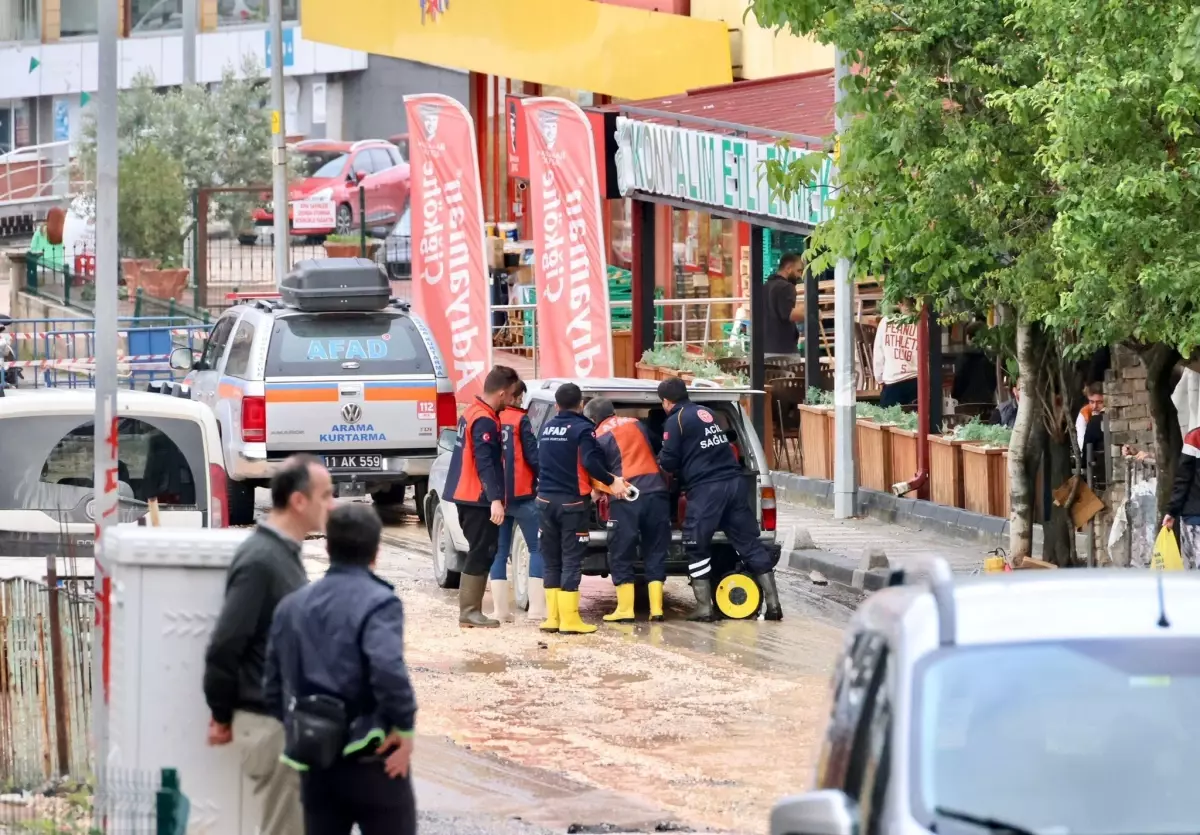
point(568, 459)
point(343, 637)
point(697, 451)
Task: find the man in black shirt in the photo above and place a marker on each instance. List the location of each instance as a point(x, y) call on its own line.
point(781, 333)
point(265, 569)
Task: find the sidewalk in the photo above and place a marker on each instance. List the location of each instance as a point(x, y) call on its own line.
point(840, 545)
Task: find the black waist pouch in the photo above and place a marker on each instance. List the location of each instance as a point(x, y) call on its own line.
point(315, 731)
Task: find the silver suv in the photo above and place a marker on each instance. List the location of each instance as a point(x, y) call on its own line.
point(1027, 702)
point(332, 368)
point(636, 398)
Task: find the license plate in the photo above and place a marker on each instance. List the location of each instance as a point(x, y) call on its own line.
point(354, 462)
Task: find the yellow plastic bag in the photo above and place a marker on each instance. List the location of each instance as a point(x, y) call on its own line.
point(1166, 552)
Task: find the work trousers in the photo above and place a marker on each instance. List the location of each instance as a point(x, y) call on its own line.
point(482, 538)
point(522, 513)
point(259, 741)
point(357, 791)
point(721, 506)
point(903, 393)
point(563, 529)
point(647, 522)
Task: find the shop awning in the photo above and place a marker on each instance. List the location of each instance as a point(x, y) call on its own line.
point(795, 104)
point(583, 45)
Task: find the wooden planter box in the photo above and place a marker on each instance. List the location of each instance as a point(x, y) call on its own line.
point(646, 372)
point(334, 249)
point(1006, 488)
point(945, 471)
point(985, 479)
point(160, 284)
point(904, 455)
point(874, 443)
point(622, 344)
point(816, 441)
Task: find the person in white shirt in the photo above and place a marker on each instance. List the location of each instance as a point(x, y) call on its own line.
point(895, 361)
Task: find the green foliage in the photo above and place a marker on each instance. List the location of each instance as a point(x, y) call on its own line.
point(344, 239)
point(887, 414)
point(676, 358)
point(219, 136)
point(152, 206)
point(978, 432)
point(814, 396)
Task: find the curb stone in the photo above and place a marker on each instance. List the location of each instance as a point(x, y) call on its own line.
point(838, 569)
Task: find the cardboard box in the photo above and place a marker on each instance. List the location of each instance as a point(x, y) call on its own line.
point(495, 253)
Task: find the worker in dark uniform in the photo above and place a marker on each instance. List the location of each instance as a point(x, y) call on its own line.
point(630, 454)
point(568, 458)
point(697, 451)
point(475, 483)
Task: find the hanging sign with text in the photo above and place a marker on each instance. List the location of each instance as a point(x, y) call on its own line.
point(726, 172)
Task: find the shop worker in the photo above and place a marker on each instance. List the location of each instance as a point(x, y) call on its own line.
point(520, 488)
point(475, 483)
point(335, 677)
point(568, 459)
point(698, 453)
point(630, 454)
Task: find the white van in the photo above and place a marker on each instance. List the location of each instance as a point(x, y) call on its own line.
point(169, 449)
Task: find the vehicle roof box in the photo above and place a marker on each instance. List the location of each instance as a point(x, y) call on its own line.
point(336, 284)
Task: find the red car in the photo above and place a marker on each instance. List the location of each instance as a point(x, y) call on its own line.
point(334, 171)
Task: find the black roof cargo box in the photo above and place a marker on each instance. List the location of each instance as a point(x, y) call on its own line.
point(336, 284)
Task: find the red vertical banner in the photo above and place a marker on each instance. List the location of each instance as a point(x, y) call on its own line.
point(449, 259)
point(574, 328)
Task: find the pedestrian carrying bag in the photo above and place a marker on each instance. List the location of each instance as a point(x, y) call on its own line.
point(1166, 552)
point(315, 731)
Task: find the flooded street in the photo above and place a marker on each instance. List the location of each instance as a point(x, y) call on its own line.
point(675, 725)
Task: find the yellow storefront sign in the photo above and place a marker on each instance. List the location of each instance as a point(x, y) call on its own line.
point(579, 44)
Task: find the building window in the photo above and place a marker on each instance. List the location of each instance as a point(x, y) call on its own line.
point(156, 15)
point(250, 12)
point(20, 20)
point(14, 126)
point(78, 18)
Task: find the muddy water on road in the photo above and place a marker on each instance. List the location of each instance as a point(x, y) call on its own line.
point(709, 722)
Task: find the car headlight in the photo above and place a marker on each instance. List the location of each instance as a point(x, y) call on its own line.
point(321, 195)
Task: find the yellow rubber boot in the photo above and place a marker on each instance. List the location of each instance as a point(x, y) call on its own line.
point(624, 610)
point(550, 624)
point(656, 600)
point(568, 615)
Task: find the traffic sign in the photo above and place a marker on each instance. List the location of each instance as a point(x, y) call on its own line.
point(289, 46)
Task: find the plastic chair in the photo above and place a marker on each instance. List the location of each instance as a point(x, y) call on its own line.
point(787, 393)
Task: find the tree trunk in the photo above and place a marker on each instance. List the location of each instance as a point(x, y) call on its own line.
point(1160, 362)
point(1058, 534)
point(1021, 451)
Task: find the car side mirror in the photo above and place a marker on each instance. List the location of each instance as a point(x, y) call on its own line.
point(181, 359)
point(359, 176)
point(447, 439)
point(824, 812)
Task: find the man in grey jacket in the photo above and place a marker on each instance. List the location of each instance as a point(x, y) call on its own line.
point(265, 569)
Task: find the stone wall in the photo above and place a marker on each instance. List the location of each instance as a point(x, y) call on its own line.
point(1128, 403)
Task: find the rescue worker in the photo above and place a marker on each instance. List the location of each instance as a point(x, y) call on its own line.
point(568, 456)
point(475, 483)
point(520, 488)
point(630, 454)
point(698, 453)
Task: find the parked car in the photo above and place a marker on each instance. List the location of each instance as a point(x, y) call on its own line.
point(334, 171)
point(331, 368)
point(1027, 702)
point(396, 252)
point(637, 398)
point(168, 450)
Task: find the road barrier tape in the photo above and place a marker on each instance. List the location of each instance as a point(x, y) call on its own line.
point(65, 335)
point(90, 361)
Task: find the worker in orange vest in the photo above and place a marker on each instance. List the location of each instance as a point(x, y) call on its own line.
point(520, 488)
point(647, 520)
point(475, 483)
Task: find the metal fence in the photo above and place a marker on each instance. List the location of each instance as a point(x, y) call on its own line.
point(60, 353)
point(134, 803)
point(45, 685)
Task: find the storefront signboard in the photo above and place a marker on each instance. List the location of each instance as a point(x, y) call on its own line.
point(718, 170)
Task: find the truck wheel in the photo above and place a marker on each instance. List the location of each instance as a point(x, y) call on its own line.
point(519, 558)
point(444, 553)
point(389, 504)
point(420, 490)
point(240, 497)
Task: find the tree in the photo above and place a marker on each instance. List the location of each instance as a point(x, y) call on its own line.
point(150, 214)
point(219, 136)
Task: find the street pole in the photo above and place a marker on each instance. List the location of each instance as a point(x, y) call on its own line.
point(845, 487)
point(278, 146)
point(190, 21)
point(105, 353)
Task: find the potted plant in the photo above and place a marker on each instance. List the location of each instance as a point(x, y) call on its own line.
point(985, 467)
point(946, 470)
point(816, 434)
point(348, 246)
point(903, 430)
point(151, 219)
point(874, 444)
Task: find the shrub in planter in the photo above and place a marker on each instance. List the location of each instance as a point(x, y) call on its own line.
point(946, 470)
point(816, 440)
point(985, 468)
point(348, 246)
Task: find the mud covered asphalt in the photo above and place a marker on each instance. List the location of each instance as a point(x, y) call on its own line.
point(645, 727)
